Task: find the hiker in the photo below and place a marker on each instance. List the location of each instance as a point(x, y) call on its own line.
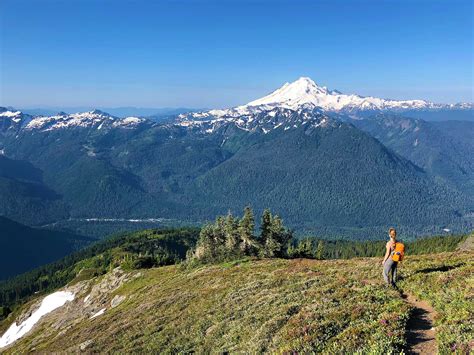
point(394, 254)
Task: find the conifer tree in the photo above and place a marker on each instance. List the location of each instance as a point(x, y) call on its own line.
point(304, 248)
point(278, 237)
point(219, 234)
point(232, 234)
point(246, 229)
point(320, 250)
point(266, 226)
point(205, 246)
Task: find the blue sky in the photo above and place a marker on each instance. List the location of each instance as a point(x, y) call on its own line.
point(224, 53)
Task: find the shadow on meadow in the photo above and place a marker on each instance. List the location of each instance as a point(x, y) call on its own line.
point(442, 268)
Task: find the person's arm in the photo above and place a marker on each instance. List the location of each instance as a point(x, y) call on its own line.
point(387, 253)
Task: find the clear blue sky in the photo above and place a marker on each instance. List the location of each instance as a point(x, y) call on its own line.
point(224, 53)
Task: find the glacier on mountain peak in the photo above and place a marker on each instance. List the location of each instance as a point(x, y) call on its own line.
point(305, 93)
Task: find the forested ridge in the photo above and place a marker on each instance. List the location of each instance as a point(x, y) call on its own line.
point(332, 180)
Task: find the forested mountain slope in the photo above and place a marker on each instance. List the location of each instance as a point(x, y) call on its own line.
point(24, 195)
point(442, 149)
point(24, 248)
point(324, 175)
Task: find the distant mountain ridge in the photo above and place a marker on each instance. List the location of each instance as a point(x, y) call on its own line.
point(332, 172)
point(115, 111)
point(16, 120)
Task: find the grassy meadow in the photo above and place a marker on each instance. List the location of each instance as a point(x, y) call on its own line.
point(274, 305)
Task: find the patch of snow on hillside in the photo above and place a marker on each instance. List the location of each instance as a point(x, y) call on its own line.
point(128, 122)
point(82, 119)
point(10, 113)
point(49, 304)
point(102, 311)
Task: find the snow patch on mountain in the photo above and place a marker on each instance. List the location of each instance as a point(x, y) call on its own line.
point(263, 121)
point(10, 114)
point(49, 304)
point(128, 122)
point(88, 119)
point(99, 313)
point(62, 120)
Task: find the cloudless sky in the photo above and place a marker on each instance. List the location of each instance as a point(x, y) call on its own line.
point(225, 53)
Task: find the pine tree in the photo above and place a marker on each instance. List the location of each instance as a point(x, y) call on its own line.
point(232, 234)
point(266, 226)
point(305, 248)
point(277, 237)
point(219, 234)
point(320, 250)
point(205, 247)
point(246, 229)
point(281, 236)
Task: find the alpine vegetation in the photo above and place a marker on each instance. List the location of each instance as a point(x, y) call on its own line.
point(231, 238)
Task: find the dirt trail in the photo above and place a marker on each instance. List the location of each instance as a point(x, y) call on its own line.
point(420, 331)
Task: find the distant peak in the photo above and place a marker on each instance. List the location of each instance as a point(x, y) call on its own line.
point(304, 83)
point(97, 112)
point(301, 91)
point(304, 92)
point(305, 80)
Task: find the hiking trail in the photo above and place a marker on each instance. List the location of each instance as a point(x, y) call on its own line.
point(421, 334)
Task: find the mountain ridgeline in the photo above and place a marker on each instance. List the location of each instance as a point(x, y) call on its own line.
point(296, 151)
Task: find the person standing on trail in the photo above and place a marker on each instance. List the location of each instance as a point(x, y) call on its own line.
point(393, 254)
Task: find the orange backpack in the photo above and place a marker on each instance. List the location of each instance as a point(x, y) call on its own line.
point(399, 252)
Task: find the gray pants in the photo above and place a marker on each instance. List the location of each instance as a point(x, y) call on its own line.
point(390, 271)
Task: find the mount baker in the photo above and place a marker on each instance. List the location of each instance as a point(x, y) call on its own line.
point(329, 163)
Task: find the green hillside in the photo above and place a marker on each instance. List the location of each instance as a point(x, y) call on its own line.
point(132, 250)
point(249, 304)
point(329, 306)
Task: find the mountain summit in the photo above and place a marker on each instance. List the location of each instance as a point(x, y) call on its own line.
point(300, 92)
point(304, 93)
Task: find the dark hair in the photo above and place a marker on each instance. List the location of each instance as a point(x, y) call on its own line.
point(391, 229)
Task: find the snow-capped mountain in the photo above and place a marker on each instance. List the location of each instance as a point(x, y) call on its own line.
point(304, 93)
point(91, 119)
point(263, 121)
point(12, 120)
point(294, 104)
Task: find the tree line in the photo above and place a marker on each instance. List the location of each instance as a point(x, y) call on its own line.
point(231, 237)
